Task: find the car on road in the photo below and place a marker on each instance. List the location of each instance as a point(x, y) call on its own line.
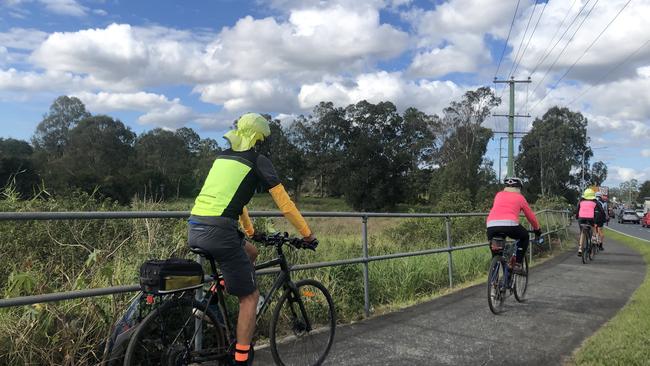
point(628, 216)
point(645, 221)
point(639, 212)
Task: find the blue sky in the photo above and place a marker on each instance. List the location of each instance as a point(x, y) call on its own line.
point(202, 63)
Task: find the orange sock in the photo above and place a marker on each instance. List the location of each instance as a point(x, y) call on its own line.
point(241, 352)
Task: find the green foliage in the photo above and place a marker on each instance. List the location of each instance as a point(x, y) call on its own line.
point(464, 143)
point(553, 203)
point(644, 190)
point(552, 148)
point(16, 167)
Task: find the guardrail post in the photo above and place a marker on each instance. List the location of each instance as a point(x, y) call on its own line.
point(548, 230)
point(198, 321)
point(450, 259)
point(366, 277)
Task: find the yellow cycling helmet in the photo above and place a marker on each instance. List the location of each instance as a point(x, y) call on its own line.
point(589, 194)
point(251, 128)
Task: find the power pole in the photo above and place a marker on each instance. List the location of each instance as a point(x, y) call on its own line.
point(541, 167)
point(511, 121)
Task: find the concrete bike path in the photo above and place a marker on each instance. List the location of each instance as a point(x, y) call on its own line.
point(567, 301)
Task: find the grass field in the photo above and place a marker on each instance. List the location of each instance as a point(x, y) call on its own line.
point(625, 339)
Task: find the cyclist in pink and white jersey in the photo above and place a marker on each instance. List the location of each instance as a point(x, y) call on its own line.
point(589, 211)
point(504, 218)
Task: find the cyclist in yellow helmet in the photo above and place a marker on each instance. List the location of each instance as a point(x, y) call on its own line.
point(213, 224)
point(588, 211)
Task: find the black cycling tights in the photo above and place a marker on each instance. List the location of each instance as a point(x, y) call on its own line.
point(515, 232)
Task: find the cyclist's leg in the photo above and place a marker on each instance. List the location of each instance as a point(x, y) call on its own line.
point(226, 244)
point(251, 251)
point(521, 234)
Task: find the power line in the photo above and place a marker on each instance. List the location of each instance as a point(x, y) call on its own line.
point(523, 38)
point(628, 58)
point(547, 52)
point(531, 37)
point(505, 45)
point(565, 46)
point(584, 53)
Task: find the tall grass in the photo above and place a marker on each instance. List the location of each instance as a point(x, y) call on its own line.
point(50, 256)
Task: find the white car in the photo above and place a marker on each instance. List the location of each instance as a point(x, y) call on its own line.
point(639, 212)
point(628, 215)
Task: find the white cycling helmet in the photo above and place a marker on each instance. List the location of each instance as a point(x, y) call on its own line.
point(599, 194)
point(513, 182)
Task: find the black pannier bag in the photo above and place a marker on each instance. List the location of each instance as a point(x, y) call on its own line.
point(163, 276)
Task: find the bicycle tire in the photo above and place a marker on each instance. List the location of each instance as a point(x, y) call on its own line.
point(495, 294)
point(521, 282)
point(288, 333)
point(148, 345)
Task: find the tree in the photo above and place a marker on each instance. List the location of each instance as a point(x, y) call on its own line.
point(165, 162)
point(288, 159)
point(629, 191)
point(52, 133)
point(551, 151)
point(97, 158)
point(464, 143)
point(16, 168)
point(598, 173)
point(644, 190)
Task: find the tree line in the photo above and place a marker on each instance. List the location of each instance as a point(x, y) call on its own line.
point(370, 154)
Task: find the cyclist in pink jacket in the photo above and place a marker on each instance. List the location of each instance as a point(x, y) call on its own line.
point(589, 212)
point(504, 218)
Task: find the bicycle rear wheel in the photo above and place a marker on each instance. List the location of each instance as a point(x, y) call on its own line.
point(586, 248)
point(167, 336)
point(303, 324)
point(520, 284)
point(496, 295)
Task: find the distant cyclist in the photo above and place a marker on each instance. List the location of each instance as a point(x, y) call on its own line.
point(588, 211)
point(504, 218)
point(600, 220)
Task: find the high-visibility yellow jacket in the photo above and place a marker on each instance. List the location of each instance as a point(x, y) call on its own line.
point(231, 183)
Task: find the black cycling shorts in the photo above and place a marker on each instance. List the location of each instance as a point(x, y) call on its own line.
point(589, 222)
point(226, 244)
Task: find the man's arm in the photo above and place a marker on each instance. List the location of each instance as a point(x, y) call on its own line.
point(246, 223)
point(289, 210)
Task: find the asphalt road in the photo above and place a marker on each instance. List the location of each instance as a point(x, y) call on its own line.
point(630, 229)
point(567, 302)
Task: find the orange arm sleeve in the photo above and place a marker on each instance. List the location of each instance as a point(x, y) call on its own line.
point(246, 223)
point(289, 210)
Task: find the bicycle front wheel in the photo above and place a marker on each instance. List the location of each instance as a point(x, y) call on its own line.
point(303, 324)
point(168, 335)
point(521, 282)
point(495, 288)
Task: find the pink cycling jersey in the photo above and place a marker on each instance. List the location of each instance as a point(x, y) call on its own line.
point(506, 208)
point(586, 209)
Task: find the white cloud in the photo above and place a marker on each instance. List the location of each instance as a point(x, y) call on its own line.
point(451, 37)
point(100, 12)
point(159, 110)
point(65, 7)
point(22, 38)
point(645, 153)
point(269, 95)
point(428, 96)
point(622, 174)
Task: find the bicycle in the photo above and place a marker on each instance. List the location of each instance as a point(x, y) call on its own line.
point(585, 243)
point(303, 317)
point(503, 260)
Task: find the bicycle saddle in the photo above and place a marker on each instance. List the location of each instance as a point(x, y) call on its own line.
point(202, 252)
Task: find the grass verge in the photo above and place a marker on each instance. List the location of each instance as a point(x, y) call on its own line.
point(625, 339)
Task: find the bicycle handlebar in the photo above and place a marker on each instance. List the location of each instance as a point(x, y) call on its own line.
point(278, 239)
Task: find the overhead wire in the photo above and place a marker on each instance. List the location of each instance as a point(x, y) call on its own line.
point(548, 51)
point(529, 38)
point(505, 45)
point(523, 38)
point(541, 82)
point(583, 54)
point(609, 72)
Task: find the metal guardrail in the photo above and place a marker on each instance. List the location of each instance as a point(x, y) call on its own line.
point(557, 225)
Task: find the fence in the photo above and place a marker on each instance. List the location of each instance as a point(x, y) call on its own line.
point(552, 226)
